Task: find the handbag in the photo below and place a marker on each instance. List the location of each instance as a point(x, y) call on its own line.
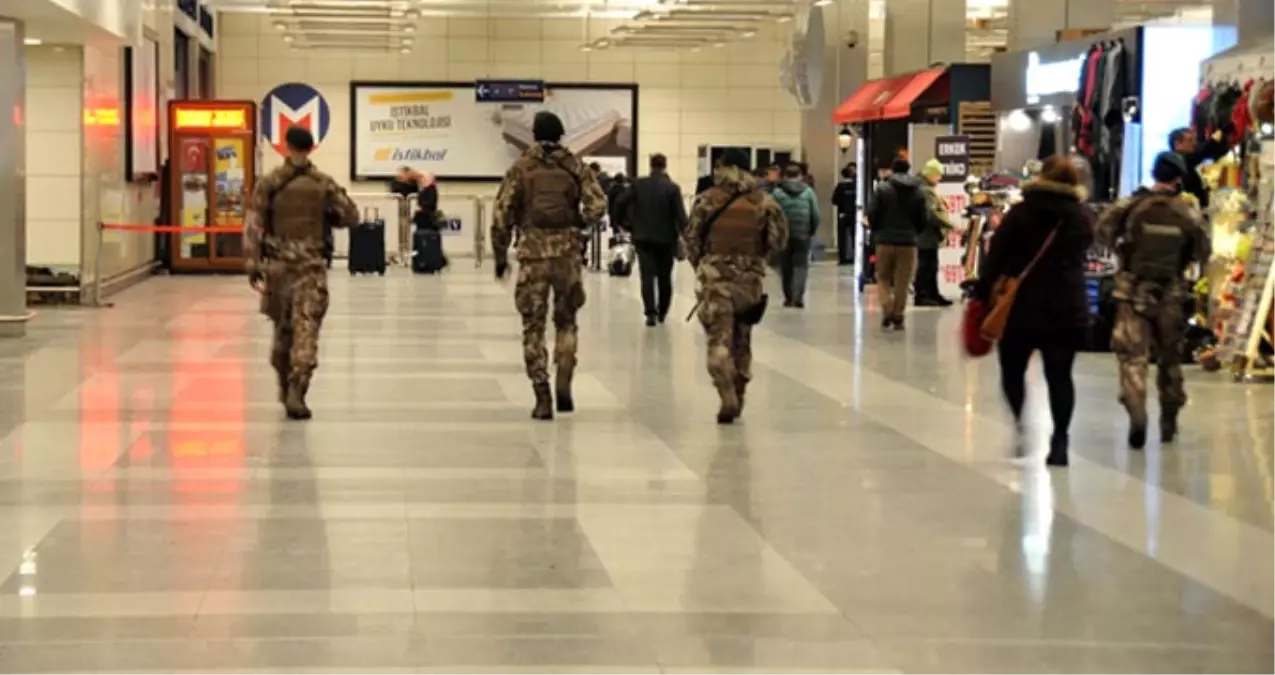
point(1004, 291)
point(971, 329)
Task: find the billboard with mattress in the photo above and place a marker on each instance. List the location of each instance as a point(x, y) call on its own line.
point(440, 128)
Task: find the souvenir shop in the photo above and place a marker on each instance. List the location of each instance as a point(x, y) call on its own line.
point(1110, 100)
point(906, 115)
point(1232, 116)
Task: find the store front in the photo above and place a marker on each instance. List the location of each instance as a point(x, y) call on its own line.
point(1112, 98)
point(906, 116)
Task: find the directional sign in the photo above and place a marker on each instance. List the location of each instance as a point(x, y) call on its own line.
point(509, 91)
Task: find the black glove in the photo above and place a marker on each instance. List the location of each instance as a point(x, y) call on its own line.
point(501, 269)
point(256, 279)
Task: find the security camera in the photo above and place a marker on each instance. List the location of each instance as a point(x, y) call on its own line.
point(852, 39)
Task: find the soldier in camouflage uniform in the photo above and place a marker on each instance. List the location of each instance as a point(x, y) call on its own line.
point(734, 228)
point(549, 197)
point(284, 242)
point(1156, 235)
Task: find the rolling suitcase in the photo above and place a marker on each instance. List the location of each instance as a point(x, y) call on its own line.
point(367, 244)
point(427, 251)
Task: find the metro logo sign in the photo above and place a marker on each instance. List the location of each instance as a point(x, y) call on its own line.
point(293, 105)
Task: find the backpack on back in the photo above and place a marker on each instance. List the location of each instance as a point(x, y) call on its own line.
point(1157, 231)
point(553, 197)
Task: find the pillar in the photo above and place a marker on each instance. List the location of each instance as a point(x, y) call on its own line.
point(921, 32)
point(1035, 23)
point(1251, 20)
point(845, 69)
point(13, 235)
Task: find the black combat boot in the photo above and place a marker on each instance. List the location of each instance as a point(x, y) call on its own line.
point(729, 411)
point(562, 391)
point(1168, 425)
point(741, 387)
point(294, 400)
point(544, 402)
point(1137, 432)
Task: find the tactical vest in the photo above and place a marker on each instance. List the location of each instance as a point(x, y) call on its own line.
point(298, 211)
point(551, 197)
point(738, 230)
point(1157, 245)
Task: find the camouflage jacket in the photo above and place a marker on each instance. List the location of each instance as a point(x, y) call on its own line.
point(260, 245)
point(541, 244)
point(1112, 229)
point(774, 225)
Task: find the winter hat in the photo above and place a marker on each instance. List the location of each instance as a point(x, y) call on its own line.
point(299, 139)
point(1168, 167)
point(736, 158)
point(932, 168)
point(547, 127)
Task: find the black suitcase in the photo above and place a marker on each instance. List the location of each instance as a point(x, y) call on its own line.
point(427, 251)
point(367, 245)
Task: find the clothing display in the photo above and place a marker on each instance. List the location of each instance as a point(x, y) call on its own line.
point(1097, 121)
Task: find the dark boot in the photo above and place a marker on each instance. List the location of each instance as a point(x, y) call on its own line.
point(562, 386)
point(544, 403)
point(729, 411)
point(1137, 434)
point(1057, 451)
point(1168, 425)
point(741, 387)
point(294, 400)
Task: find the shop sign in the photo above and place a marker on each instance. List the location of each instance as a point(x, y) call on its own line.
point(211, 118)
point(1054, 77)
point(953, 152)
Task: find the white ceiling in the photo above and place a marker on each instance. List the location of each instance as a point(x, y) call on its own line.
point(384, 25)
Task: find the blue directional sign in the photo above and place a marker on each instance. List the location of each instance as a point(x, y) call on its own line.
point(509, 91)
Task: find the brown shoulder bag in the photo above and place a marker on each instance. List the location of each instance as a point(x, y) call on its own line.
point(1005, 291)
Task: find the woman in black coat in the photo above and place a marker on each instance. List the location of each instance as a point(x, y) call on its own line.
point(1051, 312)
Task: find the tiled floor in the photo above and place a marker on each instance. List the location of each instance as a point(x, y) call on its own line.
point(158, 514)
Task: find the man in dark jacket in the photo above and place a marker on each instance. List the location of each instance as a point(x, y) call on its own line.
point(846, 198)
point(897, 214)
point(1184, 143)
point(657, 217)
point(797, 200)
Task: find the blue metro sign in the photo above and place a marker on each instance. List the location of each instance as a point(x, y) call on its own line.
point(509, 91)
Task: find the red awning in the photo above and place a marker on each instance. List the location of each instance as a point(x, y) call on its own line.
point(886, 99)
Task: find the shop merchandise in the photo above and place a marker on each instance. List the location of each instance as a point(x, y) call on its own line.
point(1097, 123)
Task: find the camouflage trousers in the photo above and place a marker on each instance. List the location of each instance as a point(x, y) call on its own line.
point(1143, 333)
point(296, 299)
point(536, 280)
point(730, 341)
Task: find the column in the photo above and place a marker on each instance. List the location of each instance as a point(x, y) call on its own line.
point(1035, 23)
point(1252, 20)
point(13, 235)
point(844, 70)
point(921, 32)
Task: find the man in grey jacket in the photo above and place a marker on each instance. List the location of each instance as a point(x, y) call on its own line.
point(801, 208)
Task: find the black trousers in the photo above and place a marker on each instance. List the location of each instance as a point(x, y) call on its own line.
point(1014, 357)
point(845, 238)
point(927, 274)
point(655, 265)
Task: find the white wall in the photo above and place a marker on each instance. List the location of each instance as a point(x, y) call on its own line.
point(726, 95)
point(55, 80)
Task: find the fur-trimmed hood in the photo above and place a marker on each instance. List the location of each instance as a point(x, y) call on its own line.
point(1076, 192)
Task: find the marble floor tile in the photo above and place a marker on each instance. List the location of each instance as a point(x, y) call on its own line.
point(159, 514)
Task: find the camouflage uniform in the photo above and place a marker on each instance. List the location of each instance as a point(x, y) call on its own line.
point(549, 259)
point(731, 283)
point(1150, 317)
point(284, 243)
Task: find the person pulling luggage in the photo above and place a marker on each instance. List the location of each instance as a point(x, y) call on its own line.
point(552, 199)
point(734, 228)
point(1156, 235)
point(284, 242)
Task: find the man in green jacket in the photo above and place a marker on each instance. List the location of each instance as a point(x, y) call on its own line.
point(930, 240)
point(801, 208)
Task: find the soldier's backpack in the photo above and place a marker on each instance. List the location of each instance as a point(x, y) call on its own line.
point(553, 197)
point(1157, 228)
